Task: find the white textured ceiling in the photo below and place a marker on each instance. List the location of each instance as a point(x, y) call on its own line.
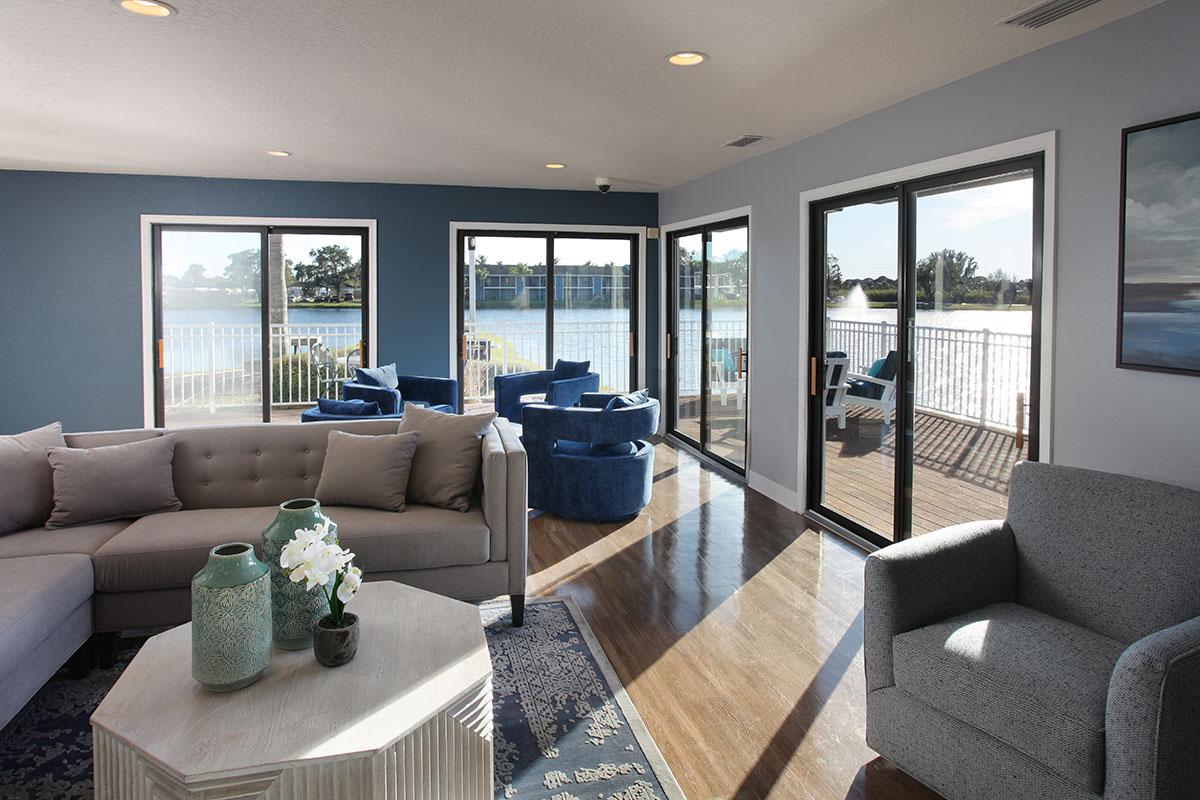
point(479, 92)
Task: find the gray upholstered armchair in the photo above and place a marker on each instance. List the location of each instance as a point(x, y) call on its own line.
point(1055, 654)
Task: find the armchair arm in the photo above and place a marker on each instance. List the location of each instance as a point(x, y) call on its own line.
point(567, 392)
point(388, 399)
point(435, 391)
point(938, 575)
point(509, 388)
point(517, 503)
point(1152, 725)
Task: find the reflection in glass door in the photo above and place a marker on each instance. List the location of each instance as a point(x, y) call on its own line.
point(925, 342)
point(708, 347)
point(594, 309)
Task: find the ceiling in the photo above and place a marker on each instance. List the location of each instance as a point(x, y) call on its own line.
point(479, 92)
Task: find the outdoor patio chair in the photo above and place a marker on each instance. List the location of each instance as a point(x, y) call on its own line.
point(876, 388)
point(837, 366)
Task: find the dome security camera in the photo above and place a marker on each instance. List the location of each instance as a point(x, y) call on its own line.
point(603, 184)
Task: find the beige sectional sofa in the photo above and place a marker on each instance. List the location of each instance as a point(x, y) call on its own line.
point(115, 576)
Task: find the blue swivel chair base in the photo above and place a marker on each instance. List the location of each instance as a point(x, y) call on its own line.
point(589, 464)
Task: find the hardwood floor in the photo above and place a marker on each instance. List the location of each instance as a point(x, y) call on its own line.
point(737, 632)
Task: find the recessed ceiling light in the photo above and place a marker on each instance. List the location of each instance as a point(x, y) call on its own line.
point(148, 8)
point(278, 153)
point(556, 166)
point(687, 58)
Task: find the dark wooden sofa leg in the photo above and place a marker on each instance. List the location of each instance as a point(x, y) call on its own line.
point(81, 663)
point(518, 609)
point(106, 648)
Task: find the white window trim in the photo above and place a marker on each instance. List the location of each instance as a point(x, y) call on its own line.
point(1045, 144)
point(533, 227)
point(149, 220)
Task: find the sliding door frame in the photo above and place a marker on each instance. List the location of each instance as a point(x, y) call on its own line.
point(461, 231)
point(904, 193)
point(671, 234)
point(152, 226)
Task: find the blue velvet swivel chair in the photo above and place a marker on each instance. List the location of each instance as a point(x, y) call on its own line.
point(389, 391)
point(563, 386)
point(590, 462)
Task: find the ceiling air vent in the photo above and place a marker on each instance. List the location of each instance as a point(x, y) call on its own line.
point(1050, 11)
point(745, 140)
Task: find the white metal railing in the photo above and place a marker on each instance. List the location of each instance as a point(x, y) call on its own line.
point(503, 347)
point(218, 365)
point(973, 374)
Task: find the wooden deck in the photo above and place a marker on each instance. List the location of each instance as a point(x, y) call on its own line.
point(961, 471)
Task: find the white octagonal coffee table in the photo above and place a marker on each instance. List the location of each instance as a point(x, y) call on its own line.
point(410, 717)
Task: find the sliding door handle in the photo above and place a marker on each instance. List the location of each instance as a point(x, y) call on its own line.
point(812, 376)
point(161, 362)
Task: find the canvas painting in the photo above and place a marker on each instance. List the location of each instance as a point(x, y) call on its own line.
point(1160, 248)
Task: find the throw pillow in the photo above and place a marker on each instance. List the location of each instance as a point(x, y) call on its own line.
point(368, 471)
point(569, 369)
point(348, 408)
point(99, 484)
point(448, 455)
point(877, 367)
point(627, 400)
point(384, 376)
point(27, 489)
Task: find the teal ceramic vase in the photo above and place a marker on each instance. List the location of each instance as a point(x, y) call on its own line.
point(231, 619)
point(294, 611)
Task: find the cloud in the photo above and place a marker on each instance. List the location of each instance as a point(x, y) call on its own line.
point(971, 208)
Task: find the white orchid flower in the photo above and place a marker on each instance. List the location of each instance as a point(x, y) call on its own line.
point(351, 580)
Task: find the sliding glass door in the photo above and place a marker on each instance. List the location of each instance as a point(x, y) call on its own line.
point(925, 340)
point(254, 323)
point(530, 298)
point(708, 350)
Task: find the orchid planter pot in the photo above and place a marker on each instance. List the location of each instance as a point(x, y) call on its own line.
point(332, 645)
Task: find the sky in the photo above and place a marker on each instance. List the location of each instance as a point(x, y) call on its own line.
point(212, 248)
point(532, 250)
point(1162, 204)
point(992, 223)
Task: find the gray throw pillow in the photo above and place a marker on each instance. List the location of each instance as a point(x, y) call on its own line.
point(98, 484)
point(448, 455)
point(27, 485)
point(369, 471)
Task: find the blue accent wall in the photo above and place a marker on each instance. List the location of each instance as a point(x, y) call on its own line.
point(70, 261)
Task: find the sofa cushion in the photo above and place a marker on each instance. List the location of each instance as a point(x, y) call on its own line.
point(565, 370)
point(164, 551)
point(627, 400)
point(423, 537)
point(368, 471)
point(1036, 683)
point(115, 482)
point(82, 539)
point(448, 455)
point(37, 594)
point(27, 489)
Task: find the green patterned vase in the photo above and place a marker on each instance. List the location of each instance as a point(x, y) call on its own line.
point(294, 611)
point(231, 619)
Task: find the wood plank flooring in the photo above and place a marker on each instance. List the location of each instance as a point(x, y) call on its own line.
point(736, 630)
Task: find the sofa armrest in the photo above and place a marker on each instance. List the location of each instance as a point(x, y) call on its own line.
point(516, 505)
point(435, 391)
point(388, 399)
point(509, 388)
point(493, 491)
point(930, 578)
point(1152, 725)
point(568, 391)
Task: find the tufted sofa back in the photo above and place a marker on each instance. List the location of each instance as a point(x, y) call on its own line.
point(244, 465)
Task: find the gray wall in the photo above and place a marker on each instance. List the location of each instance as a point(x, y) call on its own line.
point(1139, 69)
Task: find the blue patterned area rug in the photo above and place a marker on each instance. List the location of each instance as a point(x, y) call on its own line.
point(564, 727)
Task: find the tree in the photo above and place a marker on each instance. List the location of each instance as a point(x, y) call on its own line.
point(833, 277)
point(330, 268)
point(957, 269)
point(520, 269)
point(193, 275)
point(243, 273)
